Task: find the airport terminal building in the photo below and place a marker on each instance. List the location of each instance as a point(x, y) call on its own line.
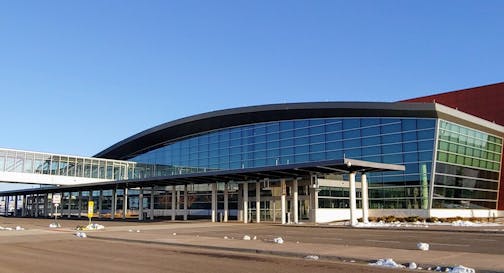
point(296, 162)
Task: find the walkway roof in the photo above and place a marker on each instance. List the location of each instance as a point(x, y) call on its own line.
point(241, 175)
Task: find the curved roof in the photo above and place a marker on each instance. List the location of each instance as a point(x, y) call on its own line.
point(157, 136)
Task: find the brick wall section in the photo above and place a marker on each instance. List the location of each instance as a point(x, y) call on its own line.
point(486, 102)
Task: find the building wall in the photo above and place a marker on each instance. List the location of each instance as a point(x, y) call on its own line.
point(484, 101)
point(407, 141)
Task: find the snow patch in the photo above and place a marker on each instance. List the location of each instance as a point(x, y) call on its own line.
point(19, 228)
point(412, 265)
point(387, 263)
point(94, 227)
point(462, 269)
point(423, 246)
point(312, 257)
point(81, 234)
point(246, 238)
point(54, 225)
point(278, 240)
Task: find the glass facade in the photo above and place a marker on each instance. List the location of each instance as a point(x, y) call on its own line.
point(405, 141)
point(51, 164)
point(467, 168)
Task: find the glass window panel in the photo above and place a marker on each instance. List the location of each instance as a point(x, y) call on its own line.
point(409, 124)
point(351, 123)
point(368, 141)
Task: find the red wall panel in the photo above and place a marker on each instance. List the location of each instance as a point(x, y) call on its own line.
point(485, 101)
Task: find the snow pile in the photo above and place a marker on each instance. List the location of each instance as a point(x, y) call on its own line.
point(462, 269)
point(246, 238)
point(255, 238)
point(460, 223)
point(225, 237)
point(278, 240)
point(54, 225)
point(174, 234)
point(94, 227)
point(387, 263)
point(81, 234)
point(396, 224)
point(312, 257)
point(18, 228)
point(423, 246)
point(412, 265)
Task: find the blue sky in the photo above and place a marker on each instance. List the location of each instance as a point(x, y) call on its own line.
point(78, 76)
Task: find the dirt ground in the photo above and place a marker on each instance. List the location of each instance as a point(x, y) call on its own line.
point(40, 249)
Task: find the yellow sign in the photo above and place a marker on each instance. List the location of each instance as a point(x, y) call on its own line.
point(90, 209)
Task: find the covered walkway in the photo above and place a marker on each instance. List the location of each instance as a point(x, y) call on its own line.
point(282, 193)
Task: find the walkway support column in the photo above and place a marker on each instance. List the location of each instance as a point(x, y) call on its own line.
point(69, 207)
point(245, 202)
point(185, 202)
point(125, 203)
point(80, 204)
point(6, 203)
point(114, 204)
point(365, 199)
point(240, 202)
point(16, 205)
point(140, 205)
point(226, 201)
point(353, 200)
point(24, 206)
point(258, 202)
point(152, 203)
point(214, 202)
point(282, 200)
point(36, 196)
point(173, 203)
point(295, 200)
point(100, 204)
point(46, 205)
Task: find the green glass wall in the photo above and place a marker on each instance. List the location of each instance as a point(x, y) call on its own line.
point(467, 168)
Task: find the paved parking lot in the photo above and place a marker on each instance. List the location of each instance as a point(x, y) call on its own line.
point(202, 247)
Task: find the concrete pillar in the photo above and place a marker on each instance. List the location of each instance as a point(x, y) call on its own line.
point(226, 202)
point(24, 206)
point(36, 205)
point(365, 199)
point(240, 202)
point(313, 204)
point(245, 202)
point(258, 202)
point(152, 203)
point(295, 201)
point(273, 208)
point(80, 204)
point(185, 202)
point(16, 205)
point(69, 206)
point(282, 200)
point(353, 200)
point(125, 203)
point(113, 204)
point(100, 204)
point(6, 205)
point(46, 205)
point(140, 205)
point(174, 203)
point(214, 202)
